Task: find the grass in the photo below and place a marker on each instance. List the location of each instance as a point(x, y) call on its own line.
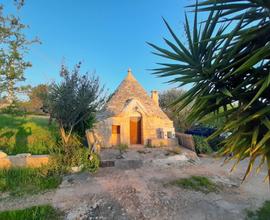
point(43, 212)
point(20, 181)
point(197, 183)
point(30, 134)
point(263, 213)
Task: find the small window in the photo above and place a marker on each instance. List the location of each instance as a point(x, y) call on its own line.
point(169, 134)
point(115, 129)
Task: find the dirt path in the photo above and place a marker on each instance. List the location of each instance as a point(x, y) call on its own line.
point(142, 193)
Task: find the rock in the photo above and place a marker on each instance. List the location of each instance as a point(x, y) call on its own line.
point(171, 160)
point(128, 164)
point(3, 155)
point(23, 155)
point(76, 169)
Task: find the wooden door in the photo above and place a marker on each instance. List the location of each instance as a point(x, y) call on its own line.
point(116, 135)
point(135, 130)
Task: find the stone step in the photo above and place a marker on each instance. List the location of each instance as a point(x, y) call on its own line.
point(122, 164)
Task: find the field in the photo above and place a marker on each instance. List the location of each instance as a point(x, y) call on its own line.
point(37, 212)
point(20, 181)
point(30, 134)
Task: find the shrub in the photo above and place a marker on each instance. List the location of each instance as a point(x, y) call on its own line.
point(14, 110)
point(43, 212)
point(216, 143)
point(64, 157)
point(262, 213)
point(122, 148)
point(197, 183)
point(201, 145)
point(149, 145)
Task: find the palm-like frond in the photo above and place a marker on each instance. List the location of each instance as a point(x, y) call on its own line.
point(229, 69)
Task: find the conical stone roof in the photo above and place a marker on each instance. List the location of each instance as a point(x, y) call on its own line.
point(131, 89)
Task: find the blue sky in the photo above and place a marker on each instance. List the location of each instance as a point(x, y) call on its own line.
point(108, 36)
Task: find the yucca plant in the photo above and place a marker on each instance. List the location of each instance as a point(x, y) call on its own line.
point(227, 60)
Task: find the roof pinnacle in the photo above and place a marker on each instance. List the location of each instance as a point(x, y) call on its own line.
point(130, 75)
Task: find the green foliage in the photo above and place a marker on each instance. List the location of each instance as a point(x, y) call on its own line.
point(201, 145)
point(216, 143)
point(197, 183)
point(14, 45)
point(262, 213)
point(149, 145)
point(229, 69)
point(14, 109)
point(179, 118)
point(75, 100)
point(64, 157)
point(82, 126)
point(26, 134)
point(43, 212)
point(38, 96)
point(19, 181)
point(122, 148)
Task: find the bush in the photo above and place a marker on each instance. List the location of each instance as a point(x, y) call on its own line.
point(201, 145)
point(262, 213)
point(216, 143)
point(14, 110)
point(43, 212)
point(122, 148)
point(19, 181)
point(64, 157)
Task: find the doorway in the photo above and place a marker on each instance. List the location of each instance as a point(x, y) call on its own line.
point(135, 130)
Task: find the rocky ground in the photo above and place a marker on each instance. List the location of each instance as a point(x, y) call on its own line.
point(136, 188)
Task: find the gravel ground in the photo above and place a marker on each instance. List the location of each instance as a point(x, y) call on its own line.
point(133, 191)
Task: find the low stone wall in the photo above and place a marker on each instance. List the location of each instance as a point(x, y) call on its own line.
point(22, 160)
point(185, 140)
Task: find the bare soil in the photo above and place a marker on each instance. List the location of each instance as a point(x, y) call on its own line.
point(139, 189)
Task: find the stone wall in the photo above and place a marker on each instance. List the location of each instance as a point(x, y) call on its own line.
point(150, 128)
point(186, 140)
point(157, 142)
point(22, 160)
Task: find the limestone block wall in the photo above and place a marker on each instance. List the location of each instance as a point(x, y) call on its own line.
point(157, 142)
point(103, 130)
point(150, 126)
point(186, 140)
point(22, 160)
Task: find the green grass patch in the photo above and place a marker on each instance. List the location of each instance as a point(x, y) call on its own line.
point(197, 183)
point(44, 212)
point(30, 134)
point(263, 213)
point(19, 181)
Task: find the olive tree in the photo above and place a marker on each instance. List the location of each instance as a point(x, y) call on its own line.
point(179, 118)
point(74, 100)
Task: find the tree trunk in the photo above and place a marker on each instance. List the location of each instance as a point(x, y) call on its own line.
point(10, 90)
point(65, 137)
